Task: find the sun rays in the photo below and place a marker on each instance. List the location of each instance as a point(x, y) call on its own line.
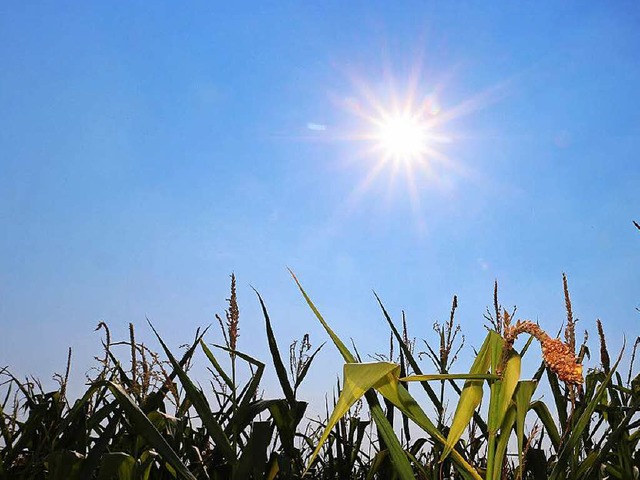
point(404, 135)
point(401, 142)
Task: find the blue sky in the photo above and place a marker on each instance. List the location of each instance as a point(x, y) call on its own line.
point(146, 152)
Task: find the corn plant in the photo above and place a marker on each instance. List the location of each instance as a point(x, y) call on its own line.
point(150, 419)
point(143, 414)
point(496, 368)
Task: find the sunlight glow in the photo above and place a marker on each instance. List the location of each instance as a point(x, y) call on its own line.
point(403, 137)
point(406, 135)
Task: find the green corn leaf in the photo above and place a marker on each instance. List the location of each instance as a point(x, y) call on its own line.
point(245, 414)
point(559, 397)
point(90, 465)
point(248, 393)
point(128, 471)
point(273, 469)
point(7, 437)
point(503, 441)
point(155, 400)
point(377, 463)
point(305, 368)
point(578, 429)
point(400, 461)
point(27, 432)
point(199, 402)
point(416, 368)
point(417, 445)
point(63, 465)
point(421, 470)
point(287, 420)
point(617, 435)
point(549, 423)
point(526, 345)
point(77, 413)
point(358, 378)
point(145, 428)
point(216, 365)
point(401, 398)
point(471, 395)
point(587, 465)
point(101, 414)
point(162, 421)
point(508, 383)
point(410, 358)
point(28, 397)
point(384, 377)
point(522, 396)
point(616, 473)
point(358, 429)
point(397, 394)
point(515, 414)
point(124, 378)
point(281, 371)
point(497, 351)
point(118, 464)
point(344, 351)
point(146, 462)
point(254, 455)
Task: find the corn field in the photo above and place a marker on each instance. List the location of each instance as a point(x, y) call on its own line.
point(144, 416)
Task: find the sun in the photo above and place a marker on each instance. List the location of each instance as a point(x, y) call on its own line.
point(402, 144)
point(402, 137)
point(405, 132)
point(401, 134)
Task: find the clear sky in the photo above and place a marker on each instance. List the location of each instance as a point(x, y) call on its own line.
point(147, 150)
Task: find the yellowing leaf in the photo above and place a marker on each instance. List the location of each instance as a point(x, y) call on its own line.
point(384, 377)
point(358, 378)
